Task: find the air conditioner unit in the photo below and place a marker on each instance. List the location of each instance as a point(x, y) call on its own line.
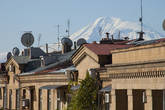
point(106, 98)
point(25, 102)
point(144, 97)
point(58, 99)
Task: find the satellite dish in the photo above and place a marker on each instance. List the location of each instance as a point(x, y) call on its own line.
point(9, 55)
point(164, 25)
point(27, 39)
point(81, 41)
point(15, 51)
point(66, 41)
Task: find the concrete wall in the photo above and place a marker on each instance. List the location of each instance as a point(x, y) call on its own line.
point(139, 54)
point(86, 64)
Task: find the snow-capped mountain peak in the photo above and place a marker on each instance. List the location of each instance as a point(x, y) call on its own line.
point(113, 25)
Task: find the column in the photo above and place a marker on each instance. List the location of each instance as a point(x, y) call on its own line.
point(113, 100)
point(163, 99)
point(148, 104)
point(130, 99)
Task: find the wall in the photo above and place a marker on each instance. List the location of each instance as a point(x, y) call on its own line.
point(139, 54)
point(86, 64)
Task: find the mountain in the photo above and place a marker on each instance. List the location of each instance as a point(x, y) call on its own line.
point(97, 30)
point(3, 57)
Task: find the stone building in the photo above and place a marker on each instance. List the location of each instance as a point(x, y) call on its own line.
point(93, 58)
point(36, 80)
point(134, 78)
point(137, 76)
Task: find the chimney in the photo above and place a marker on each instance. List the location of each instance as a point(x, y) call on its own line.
point(107, 35)
point(66, 48)
point(46, 48)
point(141, 36)
point(112, 37)
point(75, 47)
point(94, 42)
point(42, 61)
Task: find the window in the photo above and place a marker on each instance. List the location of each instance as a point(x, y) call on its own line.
point(17, 99)
point(49, 100)
point(40, 99)
point(0, 93)
point(10, 99)
point(4, 98)
point(58, 100)
point(24, 94)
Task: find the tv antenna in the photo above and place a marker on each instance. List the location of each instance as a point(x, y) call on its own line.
point(141, 21)
point(39, 39)
point(68, 26)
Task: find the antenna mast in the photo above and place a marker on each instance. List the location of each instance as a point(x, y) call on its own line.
point(141, 21)
point(68, 30)
point(58, 35)
point(39, 38)
point(141, 18)
point(119, 35)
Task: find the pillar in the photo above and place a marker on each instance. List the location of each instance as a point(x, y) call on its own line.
point(148, 104)
point(130, 99)
point(113, 100)
point(163, 99)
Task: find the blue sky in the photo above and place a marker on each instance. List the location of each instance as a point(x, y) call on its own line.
point(42, 16)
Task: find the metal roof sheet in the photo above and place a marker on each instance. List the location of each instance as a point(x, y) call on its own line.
point(52, 86)
point(73, 88)
point(106, 89)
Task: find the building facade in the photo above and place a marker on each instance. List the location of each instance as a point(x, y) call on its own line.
point(137, 77)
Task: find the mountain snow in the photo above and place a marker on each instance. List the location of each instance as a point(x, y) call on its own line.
point(96, 31)
point(119, 28)
point(3, 57)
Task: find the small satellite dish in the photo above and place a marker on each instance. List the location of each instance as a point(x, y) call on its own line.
point(81, 41)
point(15, 51)
point(27, 39)
point(164, 25)
point(9, 55)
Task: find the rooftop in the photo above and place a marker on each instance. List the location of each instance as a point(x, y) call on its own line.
point(104, 49)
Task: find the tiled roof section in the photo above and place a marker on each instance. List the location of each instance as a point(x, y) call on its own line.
point(104, 49)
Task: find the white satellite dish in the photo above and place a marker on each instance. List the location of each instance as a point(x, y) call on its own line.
point(163, 25)
point(27, 39)
point(15, 51)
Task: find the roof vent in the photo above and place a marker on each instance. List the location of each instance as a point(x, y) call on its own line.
point(94, 42)
point(107, 35)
